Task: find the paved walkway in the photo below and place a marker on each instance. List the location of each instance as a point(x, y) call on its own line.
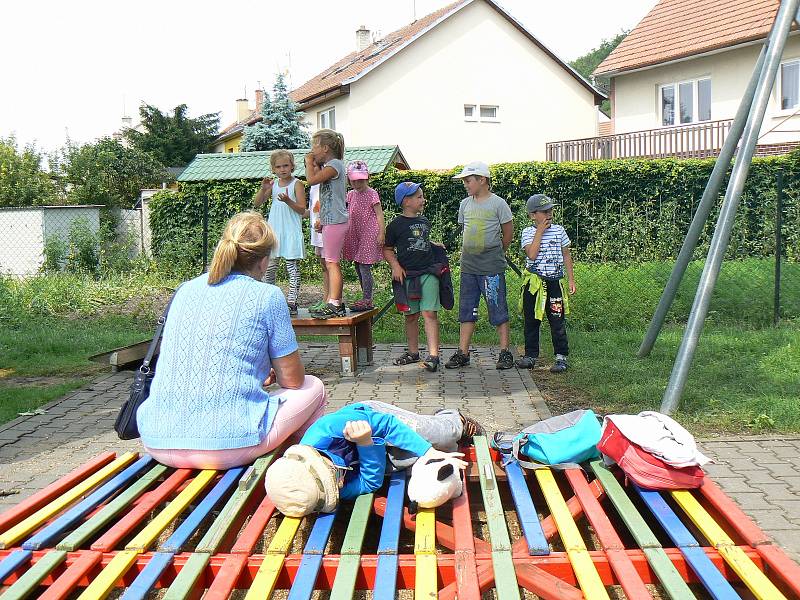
point(762, 474)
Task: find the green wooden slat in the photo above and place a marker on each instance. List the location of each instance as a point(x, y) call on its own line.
point(76, 539)
point(234, 506)
point(26, 584)
point(184, 584)
point(345, 582)
point(505, 575)
point(667, 574)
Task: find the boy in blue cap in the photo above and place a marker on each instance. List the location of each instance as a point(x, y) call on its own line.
point(408, 248)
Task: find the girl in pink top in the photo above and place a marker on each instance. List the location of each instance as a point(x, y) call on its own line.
point(364, 240)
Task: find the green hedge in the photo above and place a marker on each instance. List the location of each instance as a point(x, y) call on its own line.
point(617, 211)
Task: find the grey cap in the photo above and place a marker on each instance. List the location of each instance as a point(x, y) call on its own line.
point(539, 202)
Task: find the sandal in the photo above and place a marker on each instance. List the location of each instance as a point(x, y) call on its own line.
point(406, 358)
point(470, 428)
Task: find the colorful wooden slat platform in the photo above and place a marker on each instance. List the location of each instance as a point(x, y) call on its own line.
point(126, 525)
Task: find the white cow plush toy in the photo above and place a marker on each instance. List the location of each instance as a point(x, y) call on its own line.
point(434, 481)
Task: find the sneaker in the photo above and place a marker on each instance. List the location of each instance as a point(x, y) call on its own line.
point(431, 363)
point(470, 428)
point(505, 361)
point(361, 306)
point(292, 309)
point(458, 360)
point(406, 358)
point(329, 311)
point(525, 362)
point(559, 366)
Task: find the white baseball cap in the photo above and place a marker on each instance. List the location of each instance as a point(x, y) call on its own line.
point(302, 482)
point(474, 168)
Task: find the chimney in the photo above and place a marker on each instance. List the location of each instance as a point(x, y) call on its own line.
point(362, 38)
point(259, 100)
point(242, 109)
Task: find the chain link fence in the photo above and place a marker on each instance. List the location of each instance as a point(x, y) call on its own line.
point(79, 239)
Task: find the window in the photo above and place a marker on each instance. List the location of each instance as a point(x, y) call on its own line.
point(469, 112)
point(326, 119)
point(685, 102)
point(790, 85)
point(488, 113)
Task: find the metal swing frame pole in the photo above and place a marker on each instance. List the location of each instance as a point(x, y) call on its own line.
point(703, 209)
point(719, 243)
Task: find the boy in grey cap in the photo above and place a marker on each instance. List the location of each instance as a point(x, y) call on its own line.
point(543, 291)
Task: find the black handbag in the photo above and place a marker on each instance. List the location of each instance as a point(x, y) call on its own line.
point(125, 425)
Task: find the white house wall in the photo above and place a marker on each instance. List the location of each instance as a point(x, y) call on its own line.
point(636, 95)
point(416, 99)
point(342, 117)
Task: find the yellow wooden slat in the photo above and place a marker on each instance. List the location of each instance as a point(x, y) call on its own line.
point(748, 572)
point(267, 574)
point(153, 529)
point(425, 581)
point(102, 585)
point(21, 529)
point(586, 573)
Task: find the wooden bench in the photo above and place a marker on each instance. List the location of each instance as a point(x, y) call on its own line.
point(124, 521)
point(354, 332)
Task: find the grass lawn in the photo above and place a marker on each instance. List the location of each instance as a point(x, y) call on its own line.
point(47, 357)
point(745, 378)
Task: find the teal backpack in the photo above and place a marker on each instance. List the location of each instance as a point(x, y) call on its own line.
point(562, 441)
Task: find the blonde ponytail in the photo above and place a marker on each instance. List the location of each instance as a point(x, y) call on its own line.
point(332, 139)
point(246, 240)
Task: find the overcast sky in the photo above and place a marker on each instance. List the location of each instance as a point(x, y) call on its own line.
point(72, 67)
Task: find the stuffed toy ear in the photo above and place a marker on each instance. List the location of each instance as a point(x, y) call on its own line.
point(434, 482)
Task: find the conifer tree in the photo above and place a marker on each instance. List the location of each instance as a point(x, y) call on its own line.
point(281, 124)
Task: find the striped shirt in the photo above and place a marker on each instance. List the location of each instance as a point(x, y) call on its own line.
point(550, 260)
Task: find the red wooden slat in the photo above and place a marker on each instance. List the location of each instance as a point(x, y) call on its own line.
point(227, 576)
point(30, 505)
point(622, 566)
point(147, 503)
point(255, 528)
point(466, 568)
point(63, 586)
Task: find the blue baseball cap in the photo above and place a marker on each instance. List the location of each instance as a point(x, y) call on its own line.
point(405, 189)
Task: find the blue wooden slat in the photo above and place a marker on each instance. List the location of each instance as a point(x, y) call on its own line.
point(146, 580)
point(14, 561)
point(714, 582)
point(526, 511)
point(195, 518)
point(306, 577)
point(43, 538)
point(386, 575)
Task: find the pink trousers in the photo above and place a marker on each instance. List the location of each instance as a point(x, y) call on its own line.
point(298, 410)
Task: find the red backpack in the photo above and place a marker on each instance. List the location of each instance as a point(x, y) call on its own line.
point(644, 469)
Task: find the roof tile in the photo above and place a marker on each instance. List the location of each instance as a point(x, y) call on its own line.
point(255, 165)
point(679, 28)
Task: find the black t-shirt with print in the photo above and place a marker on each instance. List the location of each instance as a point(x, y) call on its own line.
point(410, 236)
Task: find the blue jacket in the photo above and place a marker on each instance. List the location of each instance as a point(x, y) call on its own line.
point(368, 463)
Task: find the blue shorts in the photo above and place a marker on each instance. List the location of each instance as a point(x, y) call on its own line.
point(493, 290)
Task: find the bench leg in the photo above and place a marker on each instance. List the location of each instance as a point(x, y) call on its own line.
point(348, 353)
point(364, 342)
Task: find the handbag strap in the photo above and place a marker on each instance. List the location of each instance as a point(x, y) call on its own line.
point(145, 368)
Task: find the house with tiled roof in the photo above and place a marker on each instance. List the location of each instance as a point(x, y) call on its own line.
point(677, 80)
point(467, 82)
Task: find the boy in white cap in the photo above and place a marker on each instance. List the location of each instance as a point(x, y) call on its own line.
point(544, 291)
point(488, 231)
point(344, 454)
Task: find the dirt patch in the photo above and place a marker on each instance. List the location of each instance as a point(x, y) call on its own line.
point(560, 396)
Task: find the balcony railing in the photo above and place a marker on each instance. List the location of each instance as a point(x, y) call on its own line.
point(687, 141)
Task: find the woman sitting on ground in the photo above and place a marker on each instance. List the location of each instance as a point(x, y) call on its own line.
point(228, 335)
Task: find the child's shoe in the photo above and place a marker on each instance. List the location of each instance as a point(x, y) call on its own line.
point(431, 363)
point(505, 360)
point(525, 362)
point(329, 311)
point(458, 360)
point(361, 306)
point(292, 309)
point(470, 428)
point(560, 365)
point(407, 358)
